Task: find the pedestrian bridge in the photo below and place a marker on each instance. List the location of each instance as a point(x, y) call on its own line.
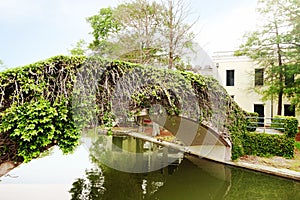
point(196, 109)
point(197, 139)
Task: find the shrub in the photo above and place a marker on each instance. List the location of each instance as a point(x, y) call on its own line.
point(291, 126)
point(286, 124)
point(278, 123)
point(237, 147)
point(252, 119)
point(262, 144)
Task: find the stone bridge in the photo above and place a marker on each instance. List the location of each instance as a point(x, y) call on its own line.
point(195, 108)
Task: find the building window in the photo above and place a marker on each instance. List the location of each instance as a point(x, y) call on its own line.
point(259, 108)
point(289, 110)
point(259, 77)
point(232, 96)
point(229, 77)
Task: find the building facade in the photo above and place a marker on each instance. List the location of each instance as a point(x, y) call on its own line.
point(240, 76)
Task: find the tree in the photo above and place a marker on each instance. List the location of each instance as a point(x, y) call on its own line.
point(79, 49)
point(104, 26)
point(143, 31)
point(176, 30)
point(273, 48)
point(140, 19)
point(126, 32)
point(291, 8)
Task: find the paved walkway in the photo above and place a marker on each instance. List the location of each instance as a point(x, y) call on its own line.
point(269, 170)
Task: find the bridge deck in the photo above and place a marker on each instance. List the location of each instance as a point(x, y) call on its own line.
point(212, 152)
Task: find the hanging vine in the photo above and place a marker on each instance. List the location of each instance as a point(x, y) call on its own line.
point(47, 103)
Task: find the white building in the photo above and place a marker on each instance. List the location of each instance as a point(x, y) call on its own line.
point(239, 76)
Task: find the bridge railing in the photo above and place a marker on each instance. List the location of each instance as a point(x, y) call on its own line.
point(265, 123)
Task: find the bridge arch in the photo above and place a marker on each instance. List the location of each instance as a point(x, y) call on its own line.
point(55, 80)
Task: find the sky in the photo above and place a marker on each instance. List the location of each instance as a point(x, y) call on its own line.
point(33, 30)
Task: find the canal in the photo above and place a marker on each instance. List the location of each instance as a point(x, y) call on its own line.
point(149, 171)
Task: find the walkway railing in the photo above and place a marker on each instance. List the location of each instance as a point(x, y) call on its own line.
point(265, 123)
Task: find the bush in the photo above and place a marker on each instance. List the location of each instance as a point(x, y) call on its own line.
point(291, 126)
point(237, 147)
point(262, 144)
point(278, 123)
point(252, 119)
point(286, 124)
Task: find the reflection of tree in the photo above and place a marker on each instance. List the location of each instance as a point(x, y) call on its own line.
point(108, 183)
point(192, 180)
point(89, 188)
point(103, 182)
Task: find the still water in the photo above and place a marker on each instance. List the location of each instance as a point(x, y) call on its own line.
point(84, 175)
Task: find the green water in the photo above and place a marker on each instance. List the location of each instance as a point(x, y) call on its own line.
point(83, 176)
point(191, 179)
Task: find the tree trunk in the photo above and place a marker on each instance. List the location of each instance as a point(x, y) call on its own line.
point(279, 108)
point(280, 64)
point(170, 62)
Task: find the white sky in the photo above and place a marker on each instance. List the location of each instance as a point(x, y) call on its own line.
point(33, 30)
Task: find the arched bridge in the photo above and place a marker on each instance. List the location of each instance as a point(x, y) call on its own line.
point(100, 91)
point(199, 138)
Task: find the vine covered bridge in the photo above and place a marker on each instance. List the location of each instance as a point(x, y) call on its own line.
point(48, 102)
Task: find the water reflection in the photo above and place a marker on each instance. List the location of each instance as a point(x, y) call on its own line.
point(177, 181)
point(78, 178)
point(131, 155)
point(191, 179)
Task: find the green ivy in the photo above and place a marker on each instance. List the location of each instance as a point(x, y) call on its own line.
point(237, 147)
point(37, 125)
point(36, 100)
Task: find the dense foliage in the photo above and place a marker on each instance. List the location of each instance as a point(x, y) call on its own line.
point(48, 102)
point(263, 144)
point(36, 108)
point(287, 124)
point(291, 127)
point(37, 125)
point(252, 119)
point(145, 32)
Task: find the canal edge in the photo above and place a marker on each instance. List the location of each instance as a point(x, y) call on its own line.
point(281, 172)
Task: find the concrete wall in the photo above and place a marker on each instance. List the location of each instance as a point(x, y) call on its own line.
point(243, 89)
